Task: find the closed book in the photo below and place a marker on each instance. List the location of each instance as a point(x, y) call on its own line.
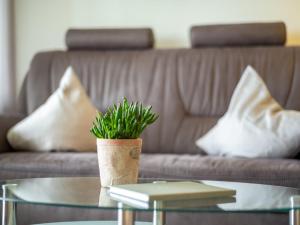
point(182, 190)
point(175, 204)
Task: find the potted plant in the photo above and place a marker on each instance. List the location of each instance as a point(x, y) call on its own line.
point(118, 141)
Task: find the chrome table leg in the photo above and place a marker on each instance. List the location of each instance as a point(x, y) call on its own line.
point(159, 217)
point(294, 217)
point(295, 210)
point(8, 208)
point(125, 216)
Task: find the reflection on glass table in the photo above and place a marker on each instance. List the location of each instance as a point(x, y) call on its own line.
point(87, 193)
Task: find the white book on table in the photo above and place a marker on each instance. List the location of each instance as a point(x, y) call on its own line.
point(175, 204)
point(182, 190)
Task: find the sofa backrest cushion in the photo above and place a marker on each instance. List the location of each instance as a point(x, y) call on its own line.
point(189, 88)
point(248, 34)
point(104, 39)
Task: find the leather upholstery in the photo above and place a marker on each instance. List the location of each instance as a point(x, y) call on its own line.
point(238, 34)
point(96, 39)
point(284, 172)
point(189, 88)
point(43, 214)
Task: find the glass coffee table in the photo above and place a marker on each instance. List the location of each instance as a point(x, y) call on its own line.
point(86, 192)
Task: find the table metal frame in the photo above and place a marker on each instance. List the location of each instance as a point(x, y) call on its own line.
point(294, 215)
point(126, 215)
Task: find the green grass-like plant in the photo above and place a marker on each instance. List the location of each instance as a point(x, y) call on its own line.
point(125, 121)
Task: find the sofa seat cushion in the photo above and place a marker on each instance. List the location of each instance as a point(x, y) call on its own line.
point(284, 172)
point(28, 164)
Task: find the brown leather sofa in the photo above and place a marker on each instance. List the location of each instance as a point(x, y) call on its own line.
point(190, 89)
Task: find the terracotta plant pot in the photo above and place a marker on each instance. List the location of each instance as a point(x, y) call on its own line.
point(118, 160)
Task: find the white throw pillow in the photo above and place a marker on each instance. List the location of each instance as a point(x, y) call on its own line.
point(255, 125)
point(61, 123)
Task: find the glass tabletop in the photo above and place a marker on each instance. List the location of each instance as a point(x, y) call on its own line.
point(86, 192)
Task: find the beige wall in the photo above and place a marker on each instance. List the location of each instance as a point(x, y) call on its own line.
point(41, 24)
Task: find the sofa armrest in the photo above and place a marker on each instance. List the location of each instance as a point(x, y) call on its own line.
point(6, 122)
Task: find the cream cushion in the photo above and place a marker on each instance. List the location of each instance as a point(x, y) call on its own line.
point(61, 123)
point(255, 125)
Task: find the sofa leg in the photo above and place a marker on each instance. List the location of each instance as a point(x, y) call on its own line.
point(8, 207)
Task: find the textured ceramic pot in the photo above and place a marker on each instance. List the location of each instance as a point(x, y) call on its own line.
point(118, 160)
